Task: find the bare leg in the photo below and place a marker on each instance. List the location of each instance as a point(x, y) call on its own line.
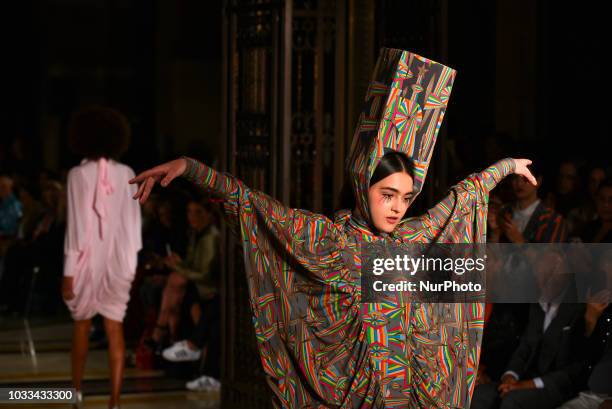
point(80, 346)
point(171, 301)
point(196, 313)
point(116, 357)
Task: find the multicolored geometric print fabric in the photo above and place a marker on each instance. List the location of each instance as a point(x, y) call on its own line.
point(404, 107)
point(320, 346)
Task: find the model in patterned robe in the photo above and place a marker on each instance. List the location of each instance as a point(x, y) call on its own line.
point(320, 346)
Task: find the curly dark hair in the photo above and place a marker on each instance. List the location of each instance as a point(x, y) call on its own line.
point(99, 132)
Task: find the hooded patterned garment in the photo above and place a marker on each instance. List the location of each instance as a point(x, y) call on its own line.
point(320, 346)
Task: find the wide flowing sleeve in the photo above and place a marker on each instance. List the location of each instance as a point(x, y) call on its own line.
point(275, 238)
point(300, 299)
point(77, 222)
point(461, 216)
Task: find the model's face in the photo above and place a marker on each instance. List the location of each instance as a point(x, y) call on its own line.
point(604, 204)
point(522, 188)
point(388, 200)
point(567, 178)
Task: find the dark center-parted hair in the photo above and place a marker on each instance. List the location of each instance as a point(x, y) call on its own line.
point(390, 163)
point(99, 132)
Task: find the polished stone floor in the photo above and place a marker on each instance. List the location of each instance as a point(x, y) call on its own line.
point(37, 354)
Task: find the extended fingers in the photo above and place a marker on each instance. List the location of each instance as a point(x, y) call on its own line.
point(148, 186)
point(139, 192)
point(156, 171)
point(531, 178)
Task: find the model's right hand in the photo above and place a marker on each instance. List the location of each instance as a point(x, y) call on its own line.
point(165, 173)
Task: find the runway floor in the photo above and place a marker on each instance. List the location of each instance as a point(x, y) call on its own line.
point(37, 354)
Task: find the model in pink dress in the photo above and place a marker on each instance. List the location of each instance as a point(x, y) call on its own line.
point(103, 237)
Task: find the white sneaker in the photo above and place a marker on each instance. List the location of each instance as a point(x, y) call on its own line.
point(79, 400)
point(204, 384)
point(180, 352)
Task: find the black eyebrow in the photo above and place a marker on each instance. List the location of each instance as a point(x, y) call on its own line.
point(396, 191)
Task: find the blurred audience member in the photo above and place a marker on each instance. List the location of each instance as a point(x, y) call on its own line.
point(493, 218)
point(587, 211)
point(10, 208)
point(566, 195)
point(191, 279)
point(163, 234)
point(47, 244)
point(39, 251)
point(595, 380)
point(204, 341)
point(10, 214)
point(600, 229)
point(31, 207)
point(543, 368)
point(528, 220)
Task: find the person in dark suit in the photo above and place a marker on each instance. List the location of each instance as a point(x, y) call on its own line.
point(541, 371)
point(526, 220)
point(595, 377)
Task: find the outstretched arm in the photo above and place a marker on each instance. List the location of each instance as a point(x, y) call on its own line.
point(462, 199)
point(308, 238)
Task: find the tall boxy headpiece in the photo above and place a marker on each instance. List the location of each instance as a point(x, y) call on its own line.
point(404, 108)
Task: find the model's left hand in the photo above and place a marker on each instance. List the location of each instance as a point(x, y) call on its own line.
point(522, 170)
point(505, 388)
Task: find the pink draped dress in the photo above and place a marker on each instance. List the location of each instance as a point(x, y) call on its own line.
point(103, 237)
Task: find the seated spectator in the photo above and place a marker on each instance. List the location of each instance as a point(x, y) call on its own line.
point(10, 212)
point(493, 218)
point(528, 220)
point(32, 209)
point(587, 211)
point(541, 371)
point(504, 322)
point(524, 220)
point(47, 245)
point(600, 229)
point(203, 345)
point(566, 195)
point(161, 236)
point(595, 378)
point(193, 278)
point(162, 233)
point(41, 253)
